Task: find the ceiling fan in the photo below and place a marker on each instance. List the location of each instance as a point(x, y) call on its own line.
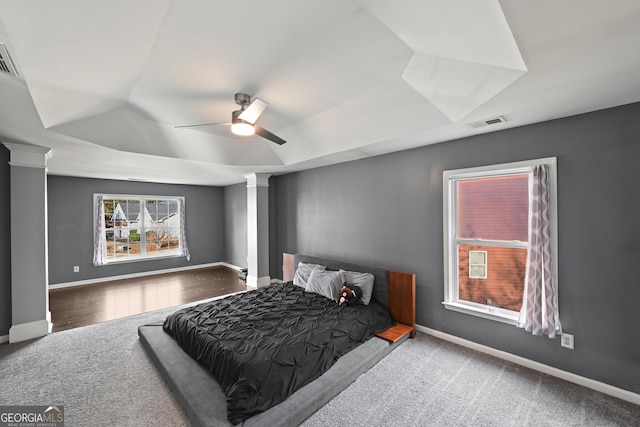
point(243, 121)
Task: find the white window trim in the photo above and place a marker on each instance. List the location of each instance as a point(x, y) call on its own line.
point(133, 197)
point(451, 301)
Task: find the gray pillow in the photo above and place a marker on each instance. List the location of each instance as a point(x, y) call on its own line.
point(364, 280)
point(326, 283)
point(303, 272)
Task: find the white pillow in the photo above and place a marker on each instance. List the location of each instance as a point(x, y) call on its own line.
point(303, 272)
point(364, 280)
point(326, 283)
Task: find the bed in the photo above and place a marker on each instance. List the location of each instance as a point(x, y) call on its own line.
point(202, 396)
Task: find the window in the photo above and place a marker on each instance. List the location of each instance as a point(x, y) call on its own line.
point(486, 228)
point(477, 264)
point(130, 228)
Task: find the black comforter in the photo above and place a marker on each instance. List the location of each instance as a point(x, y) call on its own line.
point(265, 344)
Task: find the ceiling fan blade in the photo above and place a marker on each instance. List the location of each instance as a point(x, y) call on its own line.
point(268, 135)
point(202, 124)
point(253, 111)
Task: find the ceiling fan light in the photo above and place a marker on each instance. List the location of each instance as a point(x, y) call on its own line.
point(242, 128)
point(239, 126)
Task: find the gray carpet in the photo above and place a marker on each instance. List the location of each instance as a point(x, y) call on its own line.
point(103, 377)
point(430, 382)
point(100, 373)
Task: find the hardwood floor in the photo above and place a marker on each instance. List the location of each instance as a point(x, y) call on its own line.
point(90, 304)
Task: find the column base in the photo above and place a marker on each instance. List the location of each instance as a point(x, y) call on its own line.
point(30, 330)
point(258, 282)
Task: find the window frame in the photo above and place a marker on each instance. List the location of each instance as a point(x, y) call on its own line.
point(450, 240)
point(143, 230)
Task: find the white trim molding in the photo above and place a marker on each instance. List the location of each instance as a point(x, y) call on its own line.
point(537, 366)
point(31, 156)
point(258, 282)
point(27, 331)
point(4, 339)
point(257, 179)
point(231, 266)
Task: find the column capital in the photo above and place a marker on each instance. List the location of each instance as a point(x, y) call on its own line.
point(31, 156)
point(257, 179)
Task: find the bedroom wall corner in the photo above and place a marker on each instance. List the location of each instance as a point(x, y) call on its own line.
point(282, 220)
point(5, 243)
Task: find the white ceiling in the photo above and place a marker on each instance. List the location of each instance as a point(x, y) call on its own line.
point(104, 83)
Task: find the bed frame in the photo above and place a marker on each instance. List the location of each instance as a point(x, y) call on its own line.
point(204, 401)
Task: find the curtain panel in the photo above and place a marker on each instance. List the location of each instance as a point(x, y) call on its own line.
point(539, 314)
point(183, 235)
point(99, 243)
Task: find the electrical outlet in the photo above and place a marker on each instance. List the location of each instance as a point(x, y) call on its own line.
point(76, 268)
point(567, 341)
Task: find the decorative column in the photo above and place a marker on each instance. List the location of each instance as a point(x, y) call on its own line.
point(30, 315)
point(258, 230)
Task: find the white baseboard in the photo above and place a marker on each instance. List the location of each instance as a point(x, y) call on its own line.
point(30, 330)
point(4, 339)
point(258, 282)
point(537, 366)
point(234, 267)
point(142, 274)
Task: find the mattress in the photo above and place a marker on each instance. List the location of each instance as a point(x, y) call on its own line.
point(264, 345)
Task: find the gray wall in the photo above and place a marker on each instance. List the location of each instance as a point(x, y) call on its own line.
point(5, 241)
point(387, 211)
point(235, 213)
point(71, 226)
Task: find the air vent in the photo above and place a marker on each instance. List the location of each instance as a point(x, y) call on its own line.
point(6, 66)
point(487, 122)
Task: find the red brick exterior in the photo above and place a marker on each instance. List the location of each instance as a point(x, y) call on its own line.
point(504, 284)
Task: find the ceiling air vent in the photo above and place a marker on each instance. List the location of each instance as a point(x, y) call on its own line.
point(486, 122)
point(6, 66)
